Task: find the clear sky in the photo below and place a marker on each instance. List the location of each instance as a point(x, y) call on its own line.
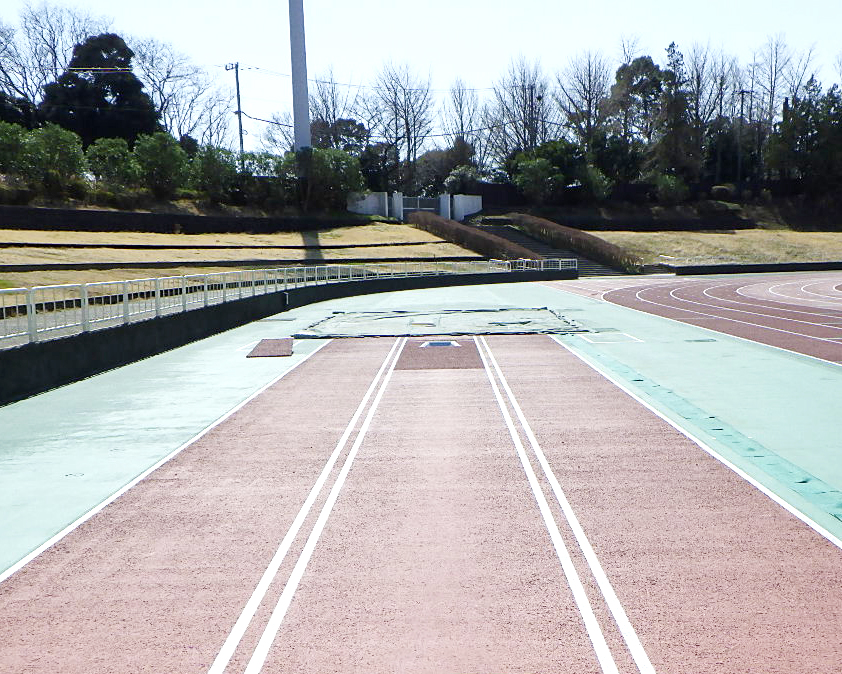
point(472, 39)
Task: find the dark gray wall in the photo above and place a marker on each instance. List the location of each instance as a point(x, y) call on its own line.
point(35, 368)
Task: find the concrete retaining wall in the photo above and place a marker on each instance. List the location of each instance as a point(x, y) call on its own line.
point(736, 268)
point(35, 368)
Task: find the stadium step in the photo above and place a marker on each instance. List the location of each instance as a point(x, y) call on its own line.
point(586, 267)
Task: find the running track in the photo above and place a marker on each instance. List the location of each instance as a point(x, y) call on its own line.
point(392, 508)
point(798, 312)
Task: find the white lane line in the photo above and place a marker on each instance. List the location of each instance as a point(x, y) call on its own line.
point(244, 620)
point(733, 320)
point(707, 317)
point(93, 511)
point(261, 652)
point(773, 290)
point(707, 292)
point(708, 305)
point(636, 649)
point(603, 653)
point(818, 528)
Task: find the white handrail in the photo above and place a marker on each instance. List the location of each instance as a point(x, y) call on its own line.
point(28, 314)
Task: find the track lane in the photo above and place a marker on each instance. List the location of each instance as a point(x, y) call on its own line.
point(436, 557)
point(155, 581)
point(710, 303)
point(715, 576)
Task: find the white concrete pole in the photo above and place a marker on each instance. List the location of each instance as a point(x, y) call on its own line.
point(300, 95)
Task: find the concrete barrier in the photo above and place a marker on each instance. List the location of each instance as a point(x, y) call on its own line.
point(34, 368)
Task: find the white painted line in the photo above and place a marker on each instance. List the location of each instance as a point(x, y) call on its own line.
point(705, 317)
point(247, 614)
point(608, 338)
point(93, 511)
point(818, 528)
point(782, 305)
point(248, 347)
point(733, 320)
point(261, 652)
point(603, 653)
point(636, 649)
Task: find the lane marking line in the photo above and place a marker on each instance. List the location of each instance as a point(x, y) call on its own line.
point(633, 642)
point(652, 314)
point(754, 306)
point(93, 511)
point(733, 320)
point(261, 652)
point(608, 338)
point(244, 620)
point(818, 528)
point(782, 306)
point(603, 653)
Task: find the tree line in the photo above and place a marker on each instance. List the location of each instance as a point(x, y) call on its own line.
point(690, 120)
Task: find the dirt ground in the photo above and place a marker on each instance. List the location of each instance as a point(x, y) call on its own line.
point(390, 241)
point(751, 245)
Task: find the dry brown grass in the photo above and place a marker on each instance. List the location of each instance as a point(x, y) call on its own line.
point(747, 246)
point(424, 245)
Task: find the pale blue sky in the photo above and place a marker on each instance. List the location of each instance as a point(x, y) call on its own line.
point(472, 39)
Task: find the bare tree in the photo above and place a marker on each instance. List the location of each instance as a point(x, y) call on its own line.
point(522, 115)
point(461, 112)
point(582, 88)
point(629, 48)
point(331, 101)
point(39, 51)
point(801, 69)
point(773, 68)
point(278, 137)
point(185, 96)
point(407, 112)
point(838, 64)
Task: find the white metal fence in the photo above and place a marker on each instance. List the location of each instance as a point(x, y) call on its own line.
point(45, 312)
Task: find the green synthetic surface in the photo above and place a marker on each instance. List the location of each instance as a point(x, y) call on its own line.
point(772, 413)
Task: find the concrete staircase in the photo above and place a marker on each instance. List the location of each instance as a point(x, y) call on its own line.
point(586, 267)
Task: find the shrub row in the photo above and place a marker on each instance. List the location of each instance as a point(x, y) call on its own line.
point(489, 245)
point(585, 244)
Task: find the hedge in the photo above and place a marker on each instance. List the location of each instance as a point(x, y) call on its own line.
point(585, 244)
point(484, 243)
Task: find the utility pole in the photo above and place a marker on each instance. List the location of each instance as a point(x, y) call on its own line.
point(236, 68)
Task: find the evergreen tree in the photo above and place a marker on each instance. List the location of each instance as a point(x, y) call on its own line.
point(98, 96)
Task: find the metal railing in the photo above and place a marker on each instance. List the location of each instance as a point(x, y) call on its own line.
point(46, 312)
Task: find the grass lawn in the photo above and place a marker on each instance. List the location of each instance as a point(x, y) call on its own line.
point(750, 245)
point(385, 235)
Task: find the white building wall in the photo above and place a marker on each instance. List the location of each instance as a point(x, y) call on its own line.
point(373, 203)
point(465, 205)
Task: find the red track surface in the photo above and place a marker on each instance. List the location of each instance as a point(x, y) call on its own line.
point(799, 312)
point(435, 556)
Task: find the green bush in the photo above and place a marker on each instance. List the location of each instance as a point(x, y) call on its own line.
point(538, 179)
point(462, 180)
point(111, 162)
point(163, 164)
point(670, 189)
point(51, 157)
point(11, 146)
point(214, 172)
point(595, 183)
point(333, 175)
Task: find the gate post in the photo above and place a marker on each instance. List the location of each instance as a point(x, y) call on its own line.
point(444, 206)
point(397, 205)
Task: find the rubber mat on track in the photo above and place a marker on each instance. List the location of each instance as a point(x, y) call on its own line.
point(268, 348)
